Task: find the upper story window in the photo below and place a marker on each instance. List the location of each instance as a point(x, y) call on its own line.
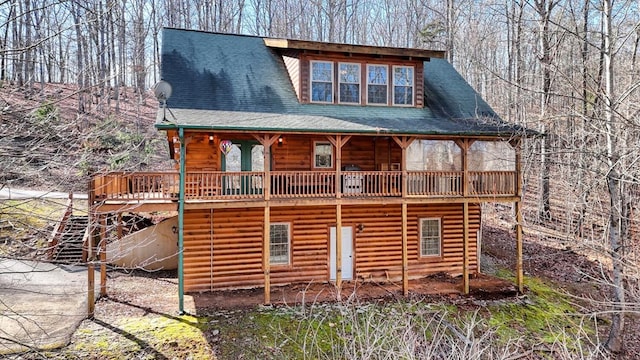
point(359, 82)
point(377, 84)
point(349, 82)
point(403, 85)
point(322, 81)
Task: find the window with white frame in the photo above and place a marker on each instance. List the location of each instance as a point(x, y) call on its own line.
point(322, 155)
point(279, 244)
point(403, 81)
point(349, 83)
point(322, 81)
point(430, 237)
point(377, 84)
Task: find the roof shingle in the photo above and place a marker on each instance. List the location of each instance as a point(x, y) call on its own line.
point(223, 81)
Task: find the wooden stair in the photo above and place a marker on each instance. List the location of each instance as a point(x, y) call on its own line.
point(69, 247)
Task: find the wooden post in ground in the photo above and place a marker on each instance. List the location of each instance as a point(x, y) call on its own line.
point(516, 144)
point(267, 141)
point(519, 267)
point(119, 228)
point(338, 142)
point(266, 254)
point(405, 260)
point(103, 256)
point(91, 281)
point(339, 245)
point(465, 249)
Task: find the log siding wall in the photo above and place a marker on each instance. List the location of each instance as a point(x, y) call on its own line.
point(227, 253)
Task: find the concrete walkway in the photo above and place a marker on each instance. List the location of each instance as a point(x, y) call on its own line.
point(7, 193)
point(41, 304)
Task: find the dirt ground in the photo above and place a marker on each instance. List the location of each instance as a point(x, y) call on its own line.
point(142, 293)
point(483, 287)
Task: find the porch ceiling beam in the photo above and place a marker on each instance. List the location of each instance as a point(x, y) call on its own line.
point(403, 141)
point(267, 140)
point(339, 140)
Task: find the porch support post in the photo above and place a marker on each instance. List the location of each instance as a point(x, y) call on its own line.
point(339, 245)
point(404, 142)
point(464, 145)
point(91, 281)
point(183, 154)
point(103, 256)
point(465, 249)
point(517, 208)
point(266, 141)
point(519, 268)
point(266, 254)
point(119, 226)
point(338, 142)
point(405, 260)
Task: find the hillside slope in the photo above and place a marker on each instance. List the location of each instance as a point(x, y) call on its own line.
point(46, 143)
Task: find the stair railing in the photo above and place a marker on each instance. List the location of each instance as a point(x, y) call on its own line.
point(58, 230)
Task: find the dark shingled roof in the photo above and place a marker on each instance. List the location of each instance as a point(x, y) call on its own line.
point(223, 81)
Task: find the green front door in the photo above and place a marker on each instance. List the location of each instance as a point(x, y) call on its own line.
point(245, 156)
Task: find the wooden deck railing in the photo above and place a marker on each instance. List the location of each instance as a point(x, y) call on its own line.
point(488, 183)
point(208, 185)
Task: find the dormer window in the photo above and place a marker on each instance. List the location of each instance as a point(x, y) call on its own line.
point(403, 85)
point(361, 81)
point(377, 84)
point(322, 81)
point(349, 82)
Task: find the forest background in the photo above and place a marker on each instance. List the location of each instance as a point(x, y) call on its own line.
point(566, 68)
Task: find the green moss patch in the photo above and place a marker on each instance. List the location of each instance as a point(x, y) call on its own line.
point(546, 315)
point(148, 337)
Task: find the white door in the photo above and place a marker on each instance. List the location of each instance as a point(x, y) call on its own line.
point(347, 253)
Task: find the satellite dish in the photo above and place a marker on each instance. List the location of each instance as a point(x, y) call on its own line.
point(162, 90)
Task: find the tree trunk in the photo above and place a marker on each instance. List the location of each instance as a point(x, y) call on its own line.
point(616, 333)
point(544, 9)
point(79, 56)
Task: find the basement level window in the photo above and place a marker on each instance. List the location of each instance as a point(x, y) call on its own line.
point(430, 238)
point(279, 243)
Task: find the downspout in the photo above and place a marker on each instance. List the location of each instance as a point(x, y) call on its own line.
point(183, 153)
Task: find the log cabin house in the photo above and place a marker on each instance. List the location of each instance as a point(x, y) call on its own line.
point(301, 161)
